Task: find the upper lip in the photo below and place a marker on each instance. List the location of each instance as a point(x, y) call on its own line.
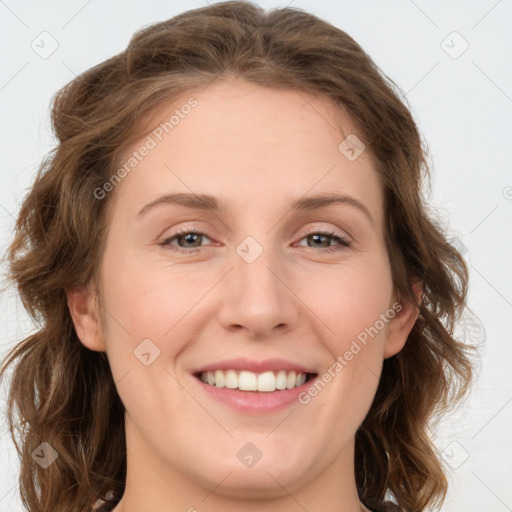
point(254, 366)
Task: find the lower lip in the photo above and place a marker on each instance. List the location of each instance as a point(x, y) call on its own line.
point(255, 402)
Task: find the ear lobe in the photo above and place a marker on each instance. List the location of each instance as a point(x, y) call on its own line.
point(86, 319)
point(401, 325)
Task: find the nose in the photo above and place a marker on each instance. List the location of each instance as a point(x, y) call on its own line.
point(258, 297)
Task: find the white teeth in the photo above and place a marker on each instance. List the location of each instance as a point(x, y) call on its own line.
point(266, 382)
point(231, 379)
point(220, 381)
point(281, 379)
point(291, 380)
point(247, 381)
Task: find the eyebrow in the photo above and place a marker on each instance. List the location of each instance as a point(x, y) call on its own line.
point(208, 202)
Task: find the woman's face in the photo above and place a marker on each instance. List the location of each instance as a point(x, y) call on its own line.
point(255, 287)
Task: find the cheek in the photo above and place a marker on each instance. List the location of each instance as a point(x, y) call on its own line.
point(354, 310)
point(358, 297)
point(149, 298)
point(153, 301)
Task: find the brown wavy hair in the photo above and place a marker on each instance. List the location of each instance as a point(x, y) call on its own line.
point(63, 393)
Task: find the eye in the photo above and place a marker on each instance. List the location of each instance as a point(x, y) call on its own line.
point(320, 237)
point(189, 240)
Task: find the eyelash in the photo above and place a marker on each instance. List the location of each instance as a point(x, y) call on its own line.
point(166, 243)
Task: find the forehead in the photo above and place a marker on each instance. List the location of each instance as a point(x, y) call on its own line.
point(240, 141)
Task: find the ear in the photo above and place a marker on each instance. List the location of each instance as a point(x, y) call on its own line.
point(401, 325)
point(86, 318)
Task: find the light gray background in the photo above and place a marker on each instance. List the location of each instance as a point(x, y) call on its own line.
point(463, 106)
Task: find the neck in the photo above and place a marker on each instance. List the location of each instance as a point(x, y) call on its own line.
point(154, 484)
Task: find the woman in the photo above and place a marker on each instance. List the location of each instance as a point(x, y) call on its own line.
point(293, 356)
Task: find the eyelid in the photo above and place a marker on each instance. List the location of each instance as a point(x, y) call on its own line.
point(344, 242)
point(334, 230)
point(312, 229)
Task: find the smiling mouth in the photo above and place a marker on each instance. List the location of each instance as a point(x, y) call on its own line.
point(266, 382)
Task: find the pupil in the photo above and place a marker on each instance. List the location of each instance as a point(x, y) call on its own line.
point(189, 237)
point(316, 237)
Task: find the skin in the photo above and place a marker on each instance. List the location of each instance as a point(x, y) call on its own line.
point(256, 149)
